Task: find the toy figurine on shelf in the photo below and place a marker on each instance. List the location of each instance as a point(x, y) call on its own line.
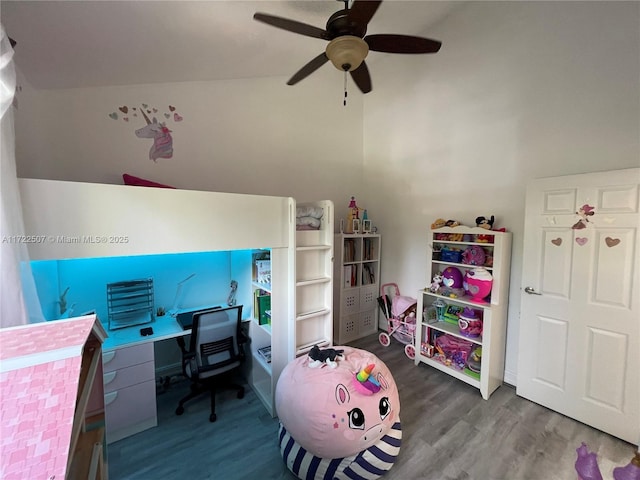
point(231, 299)
point(353, 217)
point(487, 224)
point(484, 222)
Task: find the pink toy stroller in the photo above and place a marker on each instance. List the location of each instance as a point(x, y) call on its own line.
point(400, 313)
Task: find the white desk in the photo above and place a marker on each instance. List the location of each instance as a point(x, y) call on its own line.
point(164, 327)
point(129, 374)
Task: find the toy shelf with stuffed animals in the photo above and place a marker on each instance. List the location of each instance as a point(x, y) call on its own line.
point(462, 312)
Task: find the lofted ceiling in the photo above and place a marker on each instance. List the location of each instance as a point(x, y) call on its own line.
point(68, 44)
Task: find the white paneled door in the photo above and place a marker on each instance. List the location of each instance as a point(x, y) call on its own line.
point(579, 351)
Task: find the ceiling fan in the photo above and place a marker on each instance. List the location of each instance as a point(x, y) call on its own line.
point(348, 46)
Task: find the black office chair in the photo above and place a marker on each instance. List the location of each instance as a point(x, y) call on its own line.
point(216, 352)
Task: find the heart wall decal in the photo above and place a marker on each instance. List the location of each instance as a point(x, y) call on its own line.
point(557, 241)
point(581, 240)
point(611, 242)
point(113, 115)
point(124, 109)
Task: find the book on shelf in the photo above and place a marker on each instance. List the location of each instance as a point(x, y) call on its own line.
point(265, 353)
point(350, 272)
point(262, 307)
point(367, 254)
point(263, 271)
point(349, 250)
point(347, 275)
point(368, 274)
point(261, 264)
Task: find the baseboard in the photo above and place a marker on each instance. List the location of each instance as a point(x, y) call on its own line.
point(511, 378)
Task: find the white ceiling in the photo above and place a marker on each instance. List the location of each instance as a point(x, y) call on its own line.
point(67, 44)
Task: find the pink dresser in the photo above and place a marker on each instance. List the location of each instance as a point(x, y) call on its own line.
point(52, 410)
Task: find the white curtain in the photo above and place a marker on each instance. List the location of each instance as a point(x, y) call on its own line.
point(14, 258)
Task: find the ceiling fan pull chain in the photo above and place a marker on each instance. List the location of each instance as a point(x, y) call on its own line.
point(344, 102)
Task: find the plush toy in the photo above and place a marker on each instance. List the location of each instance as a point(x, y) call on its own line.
point(474, 255)
point(587, 466)
point(484, 222)
point(318, 358)
point(440, 222)
point(435, 285)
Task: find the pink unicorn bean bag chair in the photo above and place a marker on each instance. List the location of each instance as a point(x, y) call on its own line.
point(339, 419)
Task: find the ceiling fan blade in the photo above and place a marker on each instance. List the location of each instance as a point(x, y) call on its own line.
point(309, 68)
point(362, 78)
point(362, 10)
point(401, 44)
point(291, 25)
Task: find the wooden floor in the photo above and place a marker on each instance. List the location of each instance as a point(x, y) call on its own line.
point(449, 432)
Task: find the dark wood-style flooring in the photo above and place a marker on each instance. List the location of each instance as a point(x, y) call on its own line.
point(449, 432)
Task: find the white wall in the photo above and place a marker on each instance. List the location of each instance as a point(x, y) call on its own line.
point(519, 90)
point(245, 136)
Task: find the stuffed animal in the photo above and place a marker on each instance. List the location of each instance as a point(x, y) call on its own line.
point(474, 255)
point(318, 357)
point(484, 222)
point(440, 222)
point(435, 285)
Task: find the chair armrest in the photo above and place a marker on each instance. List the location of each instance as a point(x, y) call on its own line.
point(189, 359)
point(193, 367)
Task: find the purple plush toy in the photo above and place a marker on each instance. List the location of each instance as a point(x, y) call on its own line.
point(629, 472)
point(587, 466)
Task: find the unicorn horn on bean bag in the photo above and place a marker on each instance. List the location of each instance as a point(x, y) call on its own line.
point(364, 383)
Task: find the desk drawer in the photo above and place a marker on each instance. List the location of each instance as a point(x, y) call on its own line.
point(127, 407)
point(126, 357)
point(125, 377)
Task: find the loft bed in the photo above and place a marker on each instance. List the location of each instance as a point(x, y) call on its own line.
point(72, 220)
point(142, 221)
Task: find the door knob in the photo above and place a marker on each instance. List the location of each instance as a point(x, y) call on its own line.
point(531, 291)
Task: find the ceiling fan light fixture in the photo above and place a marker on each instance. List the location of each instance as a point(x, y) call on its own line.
point(347, 52)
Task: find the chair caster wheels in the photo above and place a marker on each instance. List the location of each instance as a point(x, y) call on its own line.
point(212, 417)
point(241, 394)
point(179, 410)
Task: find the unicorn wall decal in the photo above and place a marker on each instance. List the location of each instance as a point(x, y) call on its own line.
point(162, 142)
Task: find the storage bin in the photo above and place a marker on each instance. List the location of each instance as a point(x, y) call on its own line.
point(453, 256)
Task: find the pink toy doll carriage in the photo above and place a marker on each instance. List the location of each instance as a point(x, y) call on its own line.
point(400, 313)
